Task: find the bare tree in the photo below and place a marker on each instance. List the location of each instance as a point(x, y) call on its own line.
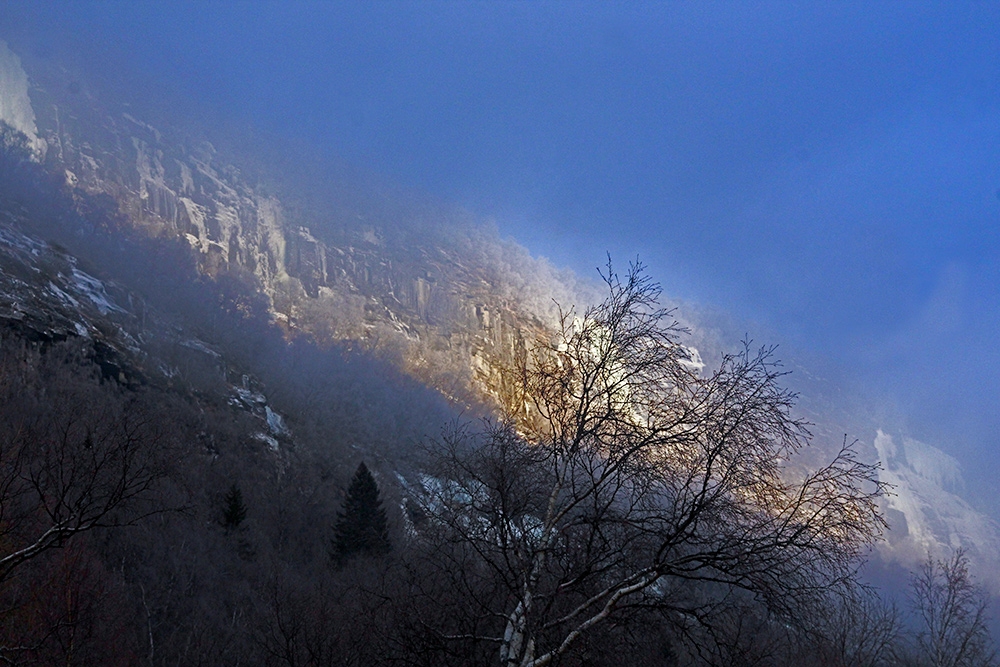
point(76, 455)
point(861, 630)
point(953, 614)
point(73, 458)
point(623, 482)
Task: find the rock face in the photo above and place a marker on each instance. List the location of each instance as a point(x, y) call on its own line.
point(926, 511)
point(448, 310)
point(15, 104)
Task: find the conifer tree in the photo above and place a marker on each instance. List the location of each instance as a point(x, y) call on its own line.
point(361, 526)
point(235, 510)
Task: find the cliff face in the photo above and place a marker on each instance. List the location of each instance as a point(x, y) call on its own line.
point(15, 103)
point(447, 309)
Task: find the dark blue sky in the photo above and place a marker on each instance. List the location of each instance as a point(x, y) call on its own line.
point(829, 170)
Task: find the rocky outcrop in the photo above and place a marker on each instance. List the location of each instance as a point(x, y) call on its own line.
point(443, 316)
point(15, 103)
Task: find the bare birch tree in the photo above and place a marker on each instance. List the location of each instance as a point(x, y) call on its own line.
point(623, 480)
point(862, 630)
point(952, 611)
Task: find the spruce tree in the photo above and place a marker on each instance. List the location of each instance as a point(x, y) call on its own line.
point(361, 526)
point(235, 511)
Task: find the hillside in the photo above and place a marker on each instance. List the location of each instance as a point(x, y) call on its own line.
point(224, 324)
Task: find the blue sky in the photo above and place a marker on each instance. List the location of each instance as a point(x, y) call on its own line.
point(829, 171)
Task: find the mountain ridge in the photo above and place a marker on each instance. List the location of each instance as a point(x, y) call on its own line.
point(448, 302)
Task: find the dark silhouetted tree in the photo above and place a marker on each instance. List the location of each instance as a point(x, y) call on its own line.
point(361, 526)
point(625, 482)
point(235, 510)
point(952, 611)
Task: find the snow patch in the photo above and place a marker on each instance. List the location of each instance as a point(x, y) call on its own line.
point(15, 239)
point(63, 296)
point(168, 371)
point(151, 172)
point(275, 422)
point(692, 359)
point(272, 443)
point(195, 344)
point(251, 398)
point(145, 126)
point(92, 288)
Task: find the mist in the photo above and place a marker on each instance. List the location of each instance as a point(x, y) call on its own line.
point(826, 177)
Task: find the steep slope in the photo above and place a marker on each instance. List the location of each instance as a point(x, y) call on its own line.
point(87, 366)
point(447, 300)
point(47, 299)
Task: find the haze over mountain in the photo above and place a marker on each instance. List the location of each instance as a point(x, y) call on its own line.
point(765, 164)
